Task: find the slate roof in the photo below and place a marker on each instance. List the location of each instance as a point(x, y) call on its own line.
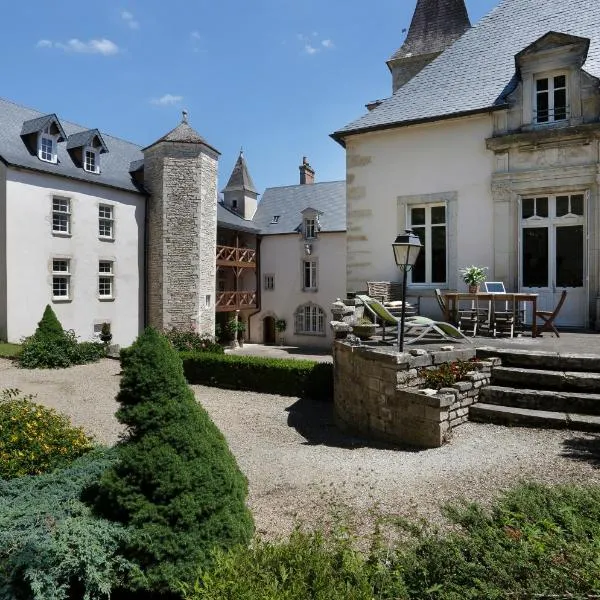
point(35, 125)
point(475, 73)
point(288, 203)
point(85, 138)
point(240, 177)
point(435, 25)
point(184, 134)
point(13, 151)
point(229, 220)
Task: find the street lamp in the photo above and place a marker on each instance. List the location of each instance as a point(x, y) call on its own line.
point(406, 250)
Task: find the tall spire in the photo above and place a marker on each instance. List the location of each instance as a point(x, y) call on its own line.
point(240, 195)
point(435, 26)
point(240, 179)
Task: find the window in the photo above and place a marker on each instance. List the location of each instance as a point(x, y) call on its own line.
point(105, 279)
point(310, 228)
point(429, 223)
point(269, 282)
point(275, 220)
point(47, 146)
point(234, 204)
point(207, 300)
point(310, 319)
point(90, 161)
point(61, 215)
point(61, 278)
point(551, 99)
point(105, 221)
point(309, 268)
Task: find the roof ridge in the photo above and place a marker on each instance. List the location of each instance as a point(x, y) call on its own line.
point(303, 185)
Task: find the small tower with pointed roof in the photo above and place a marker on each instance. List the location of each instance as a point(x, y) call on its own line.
point(240, 195)
point(435, 26)
point(180, 173)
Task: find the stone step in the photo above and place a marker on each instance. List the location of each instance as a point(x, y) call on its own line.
point(525, 417)
point(542, 379)
point(553, 361)
point(576, 402)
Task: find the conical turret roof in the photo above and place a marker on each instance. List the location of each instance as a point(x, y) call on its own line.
point(436, 25)
point(240, 177)
point(184, 134)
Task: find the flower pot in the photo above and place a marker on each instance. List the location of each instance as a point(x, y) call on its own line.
point(364, 332)
point(473, 289)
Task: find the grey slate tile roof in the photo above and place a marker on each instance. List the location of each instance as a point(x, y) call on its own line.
point(240, 177)
point(114, 164)
point(229, 220)
point(288, 203)
point(184, 134)
point(85, 138)
point(475, 73)
point(37, 124)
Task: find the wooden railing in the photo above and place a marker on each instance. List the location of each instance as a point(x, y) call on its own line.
point(229, 255)
point(229, 301)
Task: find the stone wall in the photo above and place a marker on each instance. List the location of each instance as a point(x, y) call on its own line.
point(377, 394)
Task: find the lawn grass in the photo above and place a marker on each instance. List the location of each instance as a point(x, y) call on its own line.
point(9, 350)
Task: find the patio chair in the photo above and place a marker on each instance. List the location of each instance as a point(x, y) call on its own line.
point(549, 316)
point(419, 326)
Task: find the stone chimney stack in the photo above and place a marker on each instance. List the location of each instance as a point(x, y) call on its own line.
point(307, 173)
point(435, 26)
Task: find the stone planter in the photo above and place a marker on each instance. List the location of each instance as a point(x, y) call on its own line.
point(364, 331)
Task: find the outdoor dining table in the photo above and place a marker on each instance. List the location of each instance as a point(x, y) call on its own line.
point(452, 299)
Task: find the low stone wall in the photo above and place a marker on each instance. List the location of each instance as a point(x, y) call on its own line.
point(376, 394)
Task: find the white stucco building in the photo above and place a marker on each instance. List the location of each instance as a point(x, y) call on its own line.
point(489, 149)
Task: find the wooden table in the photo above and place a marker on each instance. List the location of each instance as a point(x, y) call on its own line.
point(451, 299)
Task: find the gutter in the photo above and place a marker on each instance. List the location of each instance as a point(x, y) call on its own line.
point(258, 286)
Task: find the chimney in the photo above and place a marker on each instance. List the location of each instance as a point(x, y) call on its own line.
point(307, 173)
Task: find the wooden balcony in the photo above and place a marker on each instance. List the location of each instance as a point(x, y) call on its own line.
point(230, 301)
point(229, 256)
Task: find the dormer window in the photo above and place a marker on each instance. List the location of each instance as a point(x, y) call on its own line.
point(310, 228)
point(91, 161)
point(47, 146)
point(85, 148)
point(551, 98)
point(275, 219)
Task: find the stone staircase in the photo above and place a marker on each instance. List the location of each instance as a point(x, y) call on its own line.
point(541, 389)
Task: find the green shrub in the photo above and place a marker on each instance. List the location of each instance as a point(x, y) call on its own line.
point(287, 377)
point(176, 485)
point(49, 326)
point(190, 341)
point(51, 546)
point(35, 439)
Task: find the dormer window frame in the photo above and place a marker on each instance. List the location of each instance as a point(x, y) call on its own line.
point(551, 91)
point(92, 152)
point(310, 227)
point(51, 155)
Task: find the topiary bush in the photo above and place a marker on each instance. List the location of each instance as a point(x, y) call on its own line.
point(191, 341)
point(35, 439)
point(51, 545)
point(176, 485)
point(51, 347)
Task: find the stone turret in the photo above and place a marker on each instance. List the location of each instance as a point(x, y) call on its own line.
point(180, 173)
point(435, 26)
point(240, 195)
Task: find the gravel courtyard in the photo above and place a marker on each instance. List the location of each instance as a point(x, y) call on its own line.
point(299, 466)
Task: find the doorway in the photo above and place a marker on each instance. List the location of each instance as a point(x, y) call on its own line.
point(554, 255)
point(269, 330)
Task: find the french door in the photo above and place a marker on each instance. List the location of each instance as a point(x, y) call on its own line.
point(553, 254)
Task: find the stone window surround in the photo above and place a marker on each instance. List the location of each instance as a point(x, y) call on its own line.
point(450, 199)
point(65, 274)
point(300, 312)
point(107, 221)
point(315, 260)
point(68, 213)
point(108, 277)
point(269, 281)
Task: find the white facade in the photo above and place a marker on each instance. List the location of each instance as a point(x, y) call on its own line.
point(26, 207)
point(282, 260)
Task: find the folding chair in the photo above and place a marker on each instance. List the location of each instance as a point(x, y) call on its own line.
point(549, 316)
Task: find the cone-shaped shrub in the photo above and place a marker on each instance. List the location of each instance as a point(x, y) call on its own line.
point(49, 327)
point(175, 484)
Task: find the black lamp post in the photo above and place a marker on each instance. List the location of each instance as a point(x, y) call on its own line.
point(406, 250)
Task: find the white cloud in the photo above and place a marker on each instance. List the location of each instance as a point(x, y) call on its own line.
point(167, 100)
point(130, 20)
point(312, 46)
point(195, 35)
point(103, 46)
point(327, 43)
point(310, 49)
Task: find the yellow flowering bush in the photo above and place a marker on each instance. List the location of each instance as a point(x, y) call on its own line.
point(35, 439)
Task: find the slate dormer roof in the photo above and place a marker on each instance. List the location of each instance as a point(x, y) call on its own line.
point(240, 179)
point(475, 73)
point(37, 124)
point(89, 137)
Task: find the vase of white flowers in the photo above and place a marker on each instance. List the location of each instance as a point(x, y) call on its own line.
point(473, 276)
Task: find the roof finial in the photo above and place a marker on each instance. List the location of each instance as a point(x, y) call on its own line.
point(242, 151)
point(184, 116)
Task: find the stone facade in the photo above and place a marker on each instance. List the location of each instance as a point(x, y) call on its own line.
point(376, 394)
point(182, 226)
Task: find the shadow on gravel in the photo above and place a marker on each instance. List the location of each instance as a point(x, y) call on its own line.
point(314, 421)
point(583, 449)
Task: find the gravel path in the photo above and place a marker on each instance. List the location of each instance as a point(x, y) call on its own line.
point(299, 466)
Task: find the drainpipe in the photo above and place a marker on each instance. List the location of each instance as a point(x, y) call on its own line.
point(258, 287)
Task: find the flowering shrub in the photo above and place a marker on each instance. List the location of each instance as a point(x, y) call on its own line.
point(190, 341)
point(35, 439)
point(447, 374)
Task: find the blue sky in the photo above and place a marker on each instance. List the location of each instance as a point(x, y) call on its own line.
point(274, 76)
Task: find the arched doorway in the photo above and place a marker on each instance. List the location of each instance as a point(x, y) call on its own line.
point(269, 330)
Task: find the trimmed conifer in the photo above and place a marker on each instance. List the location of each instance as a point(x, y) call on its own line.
point(176, 484)
point(49, 326)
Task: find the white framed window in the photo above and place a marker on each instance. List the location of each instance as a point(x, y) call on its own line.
point(47, 146)
point(429, 222)
point(309, 275)
point(208, 301)
point(91, 161)
point(310, 228)
point(310, 320)
point(105, 279)
point(61, 279)
point(275, 219)
point(106, 221)
point(269, 282)
point(551, 98)
point(61, 216)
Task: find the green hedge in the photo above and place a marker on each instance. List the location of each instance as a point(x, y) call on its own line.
point(287, 377)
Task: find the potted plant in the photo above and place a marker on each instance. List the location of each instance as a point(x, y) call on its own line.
point(364, 329)
point(105, 334)
point(235, 332)
point(280, 327)
point(473, 276)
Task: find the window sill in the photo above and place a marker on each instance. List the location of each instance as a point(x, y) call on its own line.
point(106, 299)
point(311, 334)
point(62, 300)
point(63, 234)
point(106, 239)
point(310, 290)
